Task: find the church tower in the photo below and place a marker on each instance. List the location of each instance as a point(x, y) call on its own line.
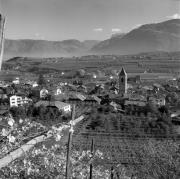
point(122, 82)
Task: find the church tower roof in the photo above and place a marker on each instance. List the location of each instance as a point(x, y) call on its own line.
point(123, 72)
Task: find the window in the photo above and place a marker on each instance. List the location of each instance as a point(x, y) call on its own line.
point(122, 80)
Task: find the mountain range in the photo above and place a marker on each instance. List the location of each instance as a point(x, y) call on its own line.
point(44, 48)
point(163, 36)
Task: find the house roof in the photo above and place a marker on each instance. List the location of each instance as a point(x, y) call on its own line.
point(58, 104)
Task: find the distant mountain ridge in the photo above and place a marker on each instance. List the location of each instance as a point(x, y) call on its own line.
point(44, 48)
point(164, 36)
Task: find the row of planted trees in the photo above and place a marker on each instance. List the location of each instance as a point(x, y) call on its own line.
point(153, 154)
point(156, 158)
point(158, 126)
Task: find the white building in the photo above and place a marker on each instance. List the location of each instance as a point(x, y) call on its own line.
point(34, 85)
point(18, 100)
point(66, 108)
point(43, 93)
point(58, 91)
point(16, 81)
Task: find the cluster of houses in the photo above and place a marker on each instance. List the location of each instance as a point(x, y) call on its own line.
point(130, 92)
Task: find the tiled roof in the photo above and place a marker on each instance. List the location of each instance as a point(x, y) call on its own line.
point(58, 104)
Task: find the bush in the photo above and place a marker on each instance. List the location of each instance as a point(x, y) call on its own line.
point(18, 112)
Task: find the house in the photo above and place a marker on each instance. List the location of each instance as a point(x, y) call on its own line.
point(175, 114)
point(15, 100)
point(96, 98)
point(65, 107)
point(135, 102)
point(18, 100)
point(147, 88)
point(82, 88)
point(3, 96)
point(158, 101)
point(99, 89)
point(31, 83)
point(114, 105)
point(43, 93)
point(58, 91)
point(114, 89)
point(3, 84)
point(80, 96)
point(135, 79)
point(16, 81)
point(34, 84)
point(83, 100)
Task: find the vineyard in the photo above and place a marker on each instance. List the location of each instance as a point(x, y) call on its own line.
point(30, 150)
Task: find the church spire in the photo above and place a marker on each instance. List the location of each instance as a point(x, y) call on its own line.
point(122, 82)
point(123, 72)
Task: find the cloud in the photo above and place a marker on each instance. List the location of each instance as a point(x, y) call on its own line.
point(115, 30)
point(98, 30)
point(174, 16)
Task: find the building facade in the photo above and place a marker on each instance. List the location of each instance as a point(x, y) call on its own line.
point(43, 93)
point(19, 101)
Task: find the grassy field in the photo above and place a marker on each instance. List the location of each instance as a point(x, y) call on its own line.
point(151, 62)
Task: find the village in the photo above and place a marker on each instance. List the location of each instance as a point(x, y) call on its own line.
point(125, 94)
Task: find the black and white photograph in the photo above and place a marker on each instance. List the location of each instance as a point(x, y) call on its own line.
point(89, 89)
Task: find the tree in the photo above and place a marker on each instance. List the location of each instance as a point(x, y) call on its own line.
point(18, 112)
point(172, 98)
point(152, 108)
point(50, 97)
point(163, 109)
point(81, 73)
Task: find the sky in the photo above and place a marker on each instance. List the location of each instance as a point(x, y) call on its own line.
point(81, 19)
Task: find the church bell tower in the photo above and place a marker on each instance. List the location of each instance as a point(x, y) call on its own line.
point(122, 82)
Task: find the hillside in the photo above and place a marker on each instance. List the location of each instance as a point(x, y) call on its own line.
point(164, 36)
point(43, 48)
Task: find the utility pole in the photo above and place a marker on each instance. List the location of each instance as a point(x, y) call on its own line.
point(92, 153)
point(2, 36)
point(69, 146)
point(112, 175)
